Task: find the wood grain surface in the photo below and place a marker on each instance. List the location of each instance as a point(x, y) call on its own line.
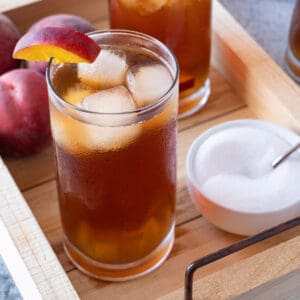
point(246, 83)
point(284, 287)
point(29, 240)
point(26, 287)
point(282, 260)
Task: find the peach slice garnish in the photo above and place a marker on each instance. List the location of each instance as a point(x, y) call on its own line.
point(65, 45)
point(186, 82)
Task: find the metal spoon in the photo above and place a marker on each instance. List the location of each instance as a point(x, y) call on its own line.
point(285, 155)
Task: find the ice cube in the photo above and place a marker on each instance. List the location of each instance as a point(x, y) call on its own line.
point(113, 100)
point(67, 132)
point(148, 83)
point(76, 93)
point(112, 138)
point(108, 70)
point(144, 7)
point(95, 131)
point(84, 135)
point(78, 137)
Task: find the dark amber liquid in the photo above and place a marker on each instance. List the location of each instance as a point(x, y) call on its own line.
point(293, 53)
point(294, 36)
point(184, 26)
point(117, 205)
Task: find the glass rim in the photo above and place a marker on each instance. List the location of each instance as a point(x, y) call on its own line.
point(145, 109)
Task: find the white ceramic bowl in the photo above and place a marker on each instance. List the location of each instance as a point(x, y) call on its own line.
point(232, 220)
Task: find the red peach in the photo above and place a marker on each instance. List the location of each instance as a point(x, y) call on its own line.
point(9, 35)
point(24, 113)
point(38, 66)
point(64, 20)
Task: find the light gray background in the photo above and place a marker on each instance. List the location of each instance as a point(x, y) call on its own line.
point(266, 20)
point(8, 290)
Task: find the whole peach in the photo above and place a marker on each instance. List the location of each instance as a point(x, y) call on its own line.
point(64, 20)
point(9, 35)
point(38, 66)
point(60, 20)
point(24, 112)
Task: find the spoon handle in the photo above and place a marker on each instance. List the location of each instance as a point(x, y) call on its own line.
point(285, 155)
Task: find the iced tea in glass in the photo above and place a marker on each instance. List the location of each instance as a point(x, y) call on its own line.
point(114, 129)
point(185, 27)
point(293, 50)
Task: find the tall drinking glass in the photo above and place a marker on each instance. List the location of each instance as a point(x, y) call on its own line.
point(115, 148)
point(185, 27)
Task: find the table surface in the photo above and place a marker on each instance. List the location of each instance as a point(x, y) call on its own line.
point(268, 23)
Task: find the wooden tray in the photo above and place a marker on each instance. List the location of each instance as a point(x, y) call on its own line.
point(246, 83)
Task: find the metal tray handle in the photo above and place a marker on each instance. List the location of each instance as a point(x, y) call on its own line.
point(192, 267)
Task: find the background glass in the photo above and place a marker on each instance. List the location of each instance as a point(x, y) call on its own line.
point(185, 27)
point(293, 50)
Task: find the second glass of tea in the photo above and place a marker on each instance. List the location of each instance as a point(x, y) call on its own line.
point(185, 27)
point(292, 56)
point(114, 125)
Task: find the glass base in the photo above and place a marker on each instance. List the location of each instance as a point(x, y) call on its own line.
point(292, 65)
point(122, 272)
point(194, 102)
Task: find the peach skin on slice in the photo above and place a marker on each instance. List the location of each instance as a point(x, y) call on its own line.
point(186, 82)
point(65, 45)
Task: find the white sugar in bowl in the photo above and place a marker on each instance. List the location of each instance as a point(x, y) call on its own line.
point(231, 180)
